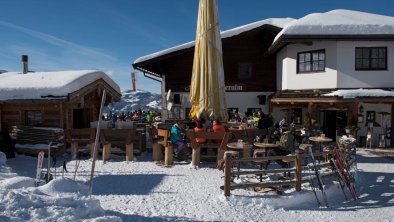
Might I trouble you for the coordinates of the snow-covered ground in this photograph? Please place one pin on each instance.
(144, 191)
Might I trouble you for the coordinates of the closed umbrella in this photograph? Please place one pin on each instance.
(207, 88)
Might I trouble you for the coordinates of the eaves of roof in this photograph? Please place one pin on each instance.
(290, 39)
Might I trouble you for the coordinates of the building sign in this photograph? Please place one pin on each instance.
(229, 88)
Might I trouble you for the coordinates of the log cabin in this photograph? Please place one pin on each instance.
(64, 99)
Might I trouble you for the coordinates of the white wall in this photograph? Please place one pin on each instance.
(348, 77)
(340, 67)
(287, 59)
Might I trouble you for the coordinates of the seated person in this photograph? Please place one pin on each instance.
(200, 128)
(176, 137)
(218, 127)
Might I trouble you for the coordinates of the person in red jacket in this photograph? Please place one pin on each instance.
(218, 127)
(200, 128)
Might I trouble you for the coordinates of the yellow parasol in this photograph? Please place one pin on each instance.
(207, 88)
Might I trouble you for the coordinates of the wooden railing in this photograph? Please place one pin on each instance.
(298, 170)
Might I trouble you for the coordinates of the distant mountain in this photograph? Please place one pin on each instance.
(131, 101)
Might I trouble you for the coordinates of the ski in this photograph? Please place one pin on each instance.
(340, 178)
(345, 172)
(48, 176)
(314, 188)
(319, 180)
(39, 167)
(76, 167)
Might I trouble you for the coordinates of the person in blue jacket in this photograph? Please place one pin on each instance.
(176, 138)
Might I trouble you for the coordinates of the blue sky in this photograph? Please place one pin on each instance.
(110, 34)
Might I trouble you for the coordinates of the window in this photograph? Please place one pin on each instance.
(245, 70)
(312, 61)
(33, 118)
(231, 112)
(296, 116)
(250, 111)
(371, 58)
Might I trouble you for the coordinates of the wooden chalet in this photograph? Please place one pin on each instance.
(69, 99)
(249, 74)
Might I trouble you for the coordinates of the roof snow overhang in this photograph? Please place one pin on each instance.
(284, 40)
(375, 95)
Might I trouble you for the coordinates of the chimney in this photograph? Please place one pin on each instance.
(25, 67)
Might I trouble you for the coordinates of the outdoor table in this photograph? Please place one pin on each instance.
(265, 147)
(320, 140)
(245, 147)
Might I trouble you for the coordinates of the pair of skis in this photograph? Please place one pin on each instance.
(345, 177)
(40, 160)
(320, 184)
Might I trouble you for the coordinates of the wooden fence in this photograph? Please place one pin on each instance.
(298, 171)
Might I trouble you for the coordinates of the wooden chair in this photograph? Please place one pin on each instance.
(287, 143)
(209, 136)
(164, 136)
(157, 153)
(77, 137)
(252, 133)
(122, 138)
(237, 134)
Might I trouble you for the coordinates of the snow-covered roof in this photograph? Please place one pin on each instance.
(278, 22)
(354, 93)
(41, 85)
(340, 22)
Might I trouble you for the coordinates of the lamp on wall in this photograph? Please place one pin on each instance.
(361, 109)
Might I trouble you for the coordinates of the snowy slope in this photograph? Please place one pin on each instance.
(132, 101)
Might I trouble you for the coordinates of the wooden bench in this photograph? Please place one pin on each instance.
(157, 153)
(78, 137)
(210, 138)
(164, 141)
(122, 138)
(32, 140)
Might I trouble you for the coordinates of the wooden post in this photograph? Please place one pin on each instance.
(220, 155)
(246, 153)
(227, 173)
(169, 151)
(91, 145)
(196, 156)
(298, 170)
(157, 153)
(106, 151)
(140, 142)
(74, 149)
(130, 152)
